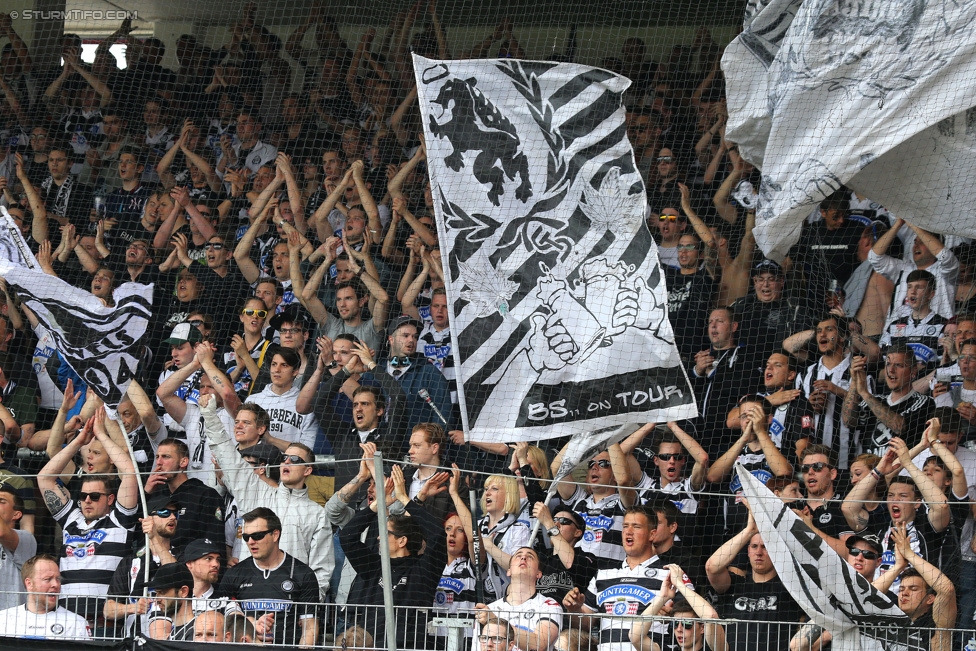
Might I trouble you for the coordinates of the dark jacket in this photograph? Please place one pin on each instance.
(414, 578)
(423, 375)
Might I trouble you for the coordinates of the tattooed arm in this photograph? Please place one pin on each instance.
(55, 496)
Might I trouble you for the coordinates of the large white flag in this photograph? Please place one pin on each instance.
(98, 342)
(557, 300)
(832, 594)
(876, 95)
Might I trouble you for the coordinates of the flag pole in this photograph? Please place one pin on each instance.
(114, 415)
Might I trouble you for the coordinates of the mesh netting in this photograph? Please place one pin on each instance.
(246, 249)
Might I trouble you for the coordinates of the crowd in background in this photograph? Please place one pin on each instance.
(299, 310)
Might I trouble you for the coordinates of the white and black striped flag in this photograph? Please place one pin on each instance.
(98, 342)
(557, 300)
(832, 594)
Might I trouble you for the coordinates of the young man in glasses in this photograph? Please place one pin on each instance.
(822, 508)
(566, 565)
(602, 503)
(671, 226)
(96, 528)
(271, 586)
(307, 535)
(876, 420)
(222, 278)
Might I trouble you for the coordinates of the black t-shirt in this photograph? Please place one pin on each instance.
(201, 513)
(690, 300)
(764, 326)
(289, 592)
(124, 204)
(874, 435)
(828, 254)
(829, 518)
(759, 602)
(556, 580)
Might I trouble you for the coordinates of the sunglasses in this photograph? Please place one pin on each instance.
(816, 467)
(258, 313)
(257, 536)
(603, 463)
(665, 159)
(868, 555)
(564, 521)
(165, 513)
(687, 623)
(293, 459)
(216, 246)
(674, 455)
(196, 323)
(687, 247)
(497, 639)
(94, 497)
(669, 218)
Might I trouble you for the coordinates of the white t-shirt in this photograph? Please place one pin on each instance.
(286, 423)
(527, 616)
(10, 564)
(60, 624)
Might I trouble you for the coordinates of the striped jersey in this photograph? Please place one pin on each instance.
(528, 615)
(436, 347)
(456, 593)
(621, 593)
(921, 336)
(830, 429)
(90, 551)
(604, 523)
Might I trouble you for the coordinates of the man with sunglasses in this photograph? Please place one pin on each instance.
(222, 279)
(96, 527)
(307, 535)
(670, 225)
(691, 294)
(129, 577)
(271, 586)
(823, 506)
(566, 565)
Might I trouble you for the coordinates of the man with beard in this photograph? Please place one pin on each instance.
(822, 509)
(171, 617)
(202, 557)
(129, 576)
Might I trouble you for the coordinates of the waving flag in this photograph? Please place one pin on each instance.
(98, 342)
(557, 300)
(878, 96)
(832, 594)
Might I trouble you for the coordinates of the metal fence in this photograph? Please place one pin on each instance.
(362, 628)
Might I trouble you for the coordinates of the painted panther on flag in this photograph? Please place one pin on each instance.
(557, 299)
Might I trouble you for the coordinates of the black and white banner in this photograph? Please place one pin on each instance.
(558, 304)
(832, 594)
(879, 96)
(98, 342)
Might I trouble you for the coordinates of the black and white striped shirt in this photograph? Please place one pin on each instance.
(604, 523)
(90, 551)
(456, 593)
(436, 347)
(830, 428)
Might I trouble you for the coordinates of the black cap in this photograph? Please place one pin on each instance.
(768, 267)
(171, 575)
(869, 538)
(196, 549)
(264, 452)
(572, 515)
(160, 501)
(294, 313)
(406, 319)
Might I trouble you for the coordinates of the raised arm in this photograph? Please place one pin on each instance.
(242, 252)
(944, 607)
(721, 199)
(56, 497)
(320, 218)
(128, 496)
(697, 453)
(723, 465)
(935, 500)
(718, 564)
(854, 506)
(146, 410)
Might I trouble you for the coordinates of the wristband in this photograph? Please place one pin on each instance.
(876, 474)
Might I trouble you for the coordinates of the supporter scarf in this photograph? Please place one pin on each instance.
(60, 206)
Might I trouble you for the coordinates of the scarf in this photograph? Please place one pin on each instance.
(60, 206)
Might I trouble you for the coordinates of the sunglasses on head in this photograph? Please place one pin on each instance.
(603, 463)
(258, 313)
(256, 536)
(677, 456)
(867, 554)
(165, 513)
(816, 467)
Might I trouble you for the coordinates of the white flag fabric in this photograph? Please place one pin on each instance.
(832, 594)
(877, 96)
(583, 446)
(98, 342)
(556, 298)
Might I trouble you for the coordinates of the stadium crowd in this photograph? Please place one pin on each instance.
(299, 309)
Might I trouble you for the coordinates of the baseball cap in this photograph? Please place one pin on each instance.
(768, 267)
(264, 452)
(156, 502)
(199, 548)
(291, 314)
(406, 319)
(183, 333)
(869, 538)
(171, 575)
